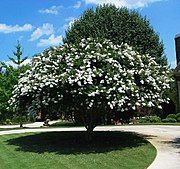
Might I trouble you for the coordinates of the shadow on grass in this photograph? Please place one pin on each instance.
(76, 143)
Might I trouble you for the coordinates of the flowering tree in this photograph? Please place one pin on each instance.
(92, 78)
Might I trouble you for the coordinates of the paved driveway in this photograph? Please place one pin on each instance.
(166, 139)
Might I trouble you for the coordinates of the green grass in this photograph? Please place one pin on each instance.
(66, 150)
(4, 129)
(173, 124)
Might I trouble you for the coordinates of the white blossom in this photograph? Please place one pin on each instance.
(93, 69)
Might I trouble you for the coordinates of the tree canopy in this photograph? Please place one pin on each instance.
(119, 25)
(8, 78)
(17, 58)
(92, 78)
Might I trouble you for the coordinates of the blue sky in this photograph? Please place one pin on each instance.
(38, 24)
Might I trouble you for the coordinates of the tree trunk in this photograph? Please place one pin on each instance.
(90, 128)
(21, 125)
(90, 120)
(20, 121)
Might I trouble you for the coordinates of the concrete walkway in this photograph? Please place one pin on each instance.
(166, 139)
(30, 125)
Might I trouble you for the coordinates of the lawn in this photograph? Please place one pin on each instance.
(66, 150)
(5, 129)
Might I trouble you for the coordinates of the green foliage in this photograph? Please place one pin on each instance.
(171, 93)
(178, 119)
(18, 60)
(8, 121)
(150, 119)
(17, 55)
(64, 124)
(144, 119)
(177, 115)
(7, 81)
(16, 119)
(31, 118)
(8, 78)
(119, 25)
(155, 119)
(169, 120)
(173, 116)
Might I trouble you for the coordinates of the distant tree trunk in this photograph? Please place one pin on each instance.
(21, 125)
(20, 122)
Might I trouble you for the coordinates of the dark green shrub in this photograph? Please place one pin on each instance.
(144, 119)
(154, 119)
(177, 115)
(64, 124)
(150, 119)
(24, 119)
(173, 116)
(8, 121)
(178, 119)
(165, 120)
(17, 119)
(31, 118)
(169, 120)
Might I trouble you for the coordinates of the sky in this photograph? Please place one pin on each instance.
(39, 24)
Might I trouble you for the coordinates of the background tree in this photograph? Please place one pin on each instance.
(8, 78)
(118, 25)
(17, 58)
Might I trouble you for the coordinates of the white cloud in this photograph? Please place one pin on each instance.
(52, 10)
(77, 5)
(20, 38)
(51, 41)
(45, 29)
(27, 61)
(70, 21)
(173, 63)
(124, 3)
(16, 28)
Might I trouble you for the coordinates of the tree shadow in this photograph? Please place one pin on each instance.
(75, 142)
(175, 143)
